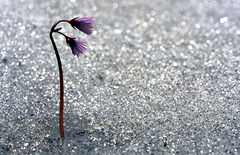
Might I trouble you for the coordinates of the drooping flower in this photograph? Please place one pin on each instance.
(77, 46)
(83, 24)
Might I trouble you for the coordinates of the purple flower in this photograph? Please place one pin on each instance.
(83, 24)
(77, 46)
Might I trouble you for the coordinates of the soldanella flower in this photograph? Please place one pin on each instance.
(83, 24)
(77, 46)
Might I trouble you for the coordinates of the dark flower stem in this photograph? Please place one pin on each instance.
(61, 79)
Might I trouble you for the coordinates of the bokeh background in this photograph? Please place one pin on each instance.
(161, 77)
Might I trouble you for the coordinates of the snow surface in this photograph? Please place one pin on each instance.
(161, 77)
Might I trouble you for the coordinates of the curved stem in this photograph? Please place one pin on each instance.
(64, 35)
(61, 79)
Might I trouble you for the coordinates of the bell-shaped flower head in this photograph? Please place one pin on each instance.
(77, 46)
(83, 24)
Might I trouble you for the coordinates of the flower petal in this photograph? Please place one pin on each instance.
(83, 24)
(77, 46)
